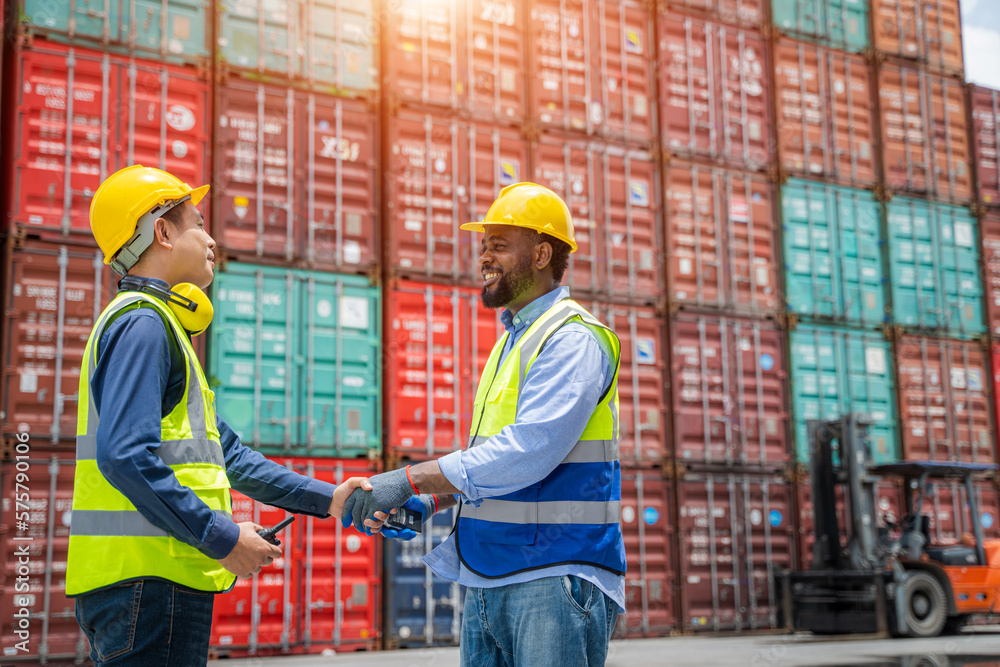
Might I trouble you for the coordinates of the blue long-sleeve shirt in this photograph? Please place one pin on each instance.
(139, 379)
(560, 393)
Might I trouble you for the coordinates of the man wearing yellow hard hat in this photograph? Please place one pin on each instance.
(537, 542)
(152, 537)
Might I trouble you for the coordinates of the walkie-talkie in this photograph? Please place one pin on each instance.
(269, 533)
(405, 518)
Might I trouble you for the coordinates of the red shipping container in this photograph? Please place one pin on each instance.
(82, 115)
(728, 381)
(928, 31)
(985, 106)
(714, 92)
(736, 531)
(989, 223)
(735, 12)
(825, 123)
(721, 240)
(925, 142)
(296, 177)
(54, 632)
(944, 401)
(947, 506)
(647, 512)
(441, 173)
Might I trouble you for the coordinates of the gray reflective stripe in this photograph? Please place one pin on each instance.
(171, 452)
(557, 511)
(478, 440)
(128, 523)
(530, 345)
(593, 451)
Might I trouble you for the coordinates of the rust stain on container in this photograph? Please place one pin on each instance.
(924, 134)
(985, 105)
(728, 381)
(928, 31)
(720, 236)
(944, 401)
(824, 107)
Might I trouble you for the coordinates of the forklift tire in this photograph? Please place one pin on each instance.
(925, 605)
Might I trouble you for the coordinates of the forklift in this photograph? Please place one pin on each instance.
(889, 579)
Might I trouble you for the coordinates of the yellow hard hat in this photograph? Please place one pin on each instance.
(128, 195)
(531, 206)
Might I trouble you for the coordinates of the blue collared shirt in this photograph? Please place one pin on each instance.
(139, 379)
(560, 393)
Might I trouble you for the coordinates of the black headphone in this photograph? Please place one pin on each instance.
(186, 301)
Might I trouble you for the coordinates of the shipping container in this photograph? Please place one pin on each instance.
(56, 293)
(990, 225)
(925, 144)
(720, 240)
(935, 270)
(296, 178)
(327, 45)
(294, 360)
(927, 31)
(728, 383)
(734, 12)
(826, 128)
(835, 371)
(714, 92)
(984, 105)
(54, 632)
(442, 172)
(421, 608)
(840, 24)
(647, 520)
(946, 504)
(833, 253)
(82, 115)
(736, 532)
(166, 31)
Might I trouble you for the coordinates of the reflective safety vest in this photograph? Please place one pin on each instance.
(571, 516)
(110, 541)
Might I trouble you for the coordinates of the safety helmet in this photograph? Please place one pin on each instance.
(126, 205)
(531, 206)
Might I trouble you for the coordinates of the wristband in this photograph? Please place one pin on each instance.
(435, 502)
(412, 485)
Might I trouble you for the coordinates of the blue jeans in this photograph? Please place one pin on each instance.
(549, 622)
(146, 623)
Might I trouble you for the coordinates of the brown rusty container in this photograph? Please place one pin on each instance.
(720, 239)
(990, 226)
(734, 12)
(985, 107)
(947, 506)
(944, 400)
(927, 31)
(925, 142)
(826, 127)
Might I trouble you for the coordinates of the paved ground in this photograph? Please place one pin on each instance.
(979, 648)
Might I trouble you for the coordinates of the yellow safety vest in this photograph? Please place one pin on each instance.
(110, 541)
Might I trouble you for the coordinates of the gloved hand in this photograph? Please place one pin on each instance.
(425, 505)
(389, 489)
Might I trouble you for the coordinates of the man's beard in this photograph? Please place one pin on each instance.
(512, 285)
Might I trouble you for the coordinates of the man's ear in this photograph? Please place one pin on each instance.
(163, 233)
(543, 255)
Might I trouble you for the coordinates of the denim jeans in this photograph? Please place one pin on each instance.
(550, 622)
(146, 623)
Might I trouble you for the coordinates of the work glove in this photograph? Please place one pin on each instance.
(425, 505)
(389, 489)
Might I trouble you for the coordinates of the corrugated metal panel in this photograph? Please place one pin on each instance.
(297, 177)
(720, 240)
(842, 24)
(728, 381)
(833, 253)
(836, 371)
(944, 401)
(650, 581)
(825, 123)
(736, 12)
(295, 358)
(54, 630)
(934, 260)
(56, 293)
(735, 533)
(985, 106)
(947, 506)
(714, 92)
(85, 114)
(924, 134)
(928, 31)
(175, 30)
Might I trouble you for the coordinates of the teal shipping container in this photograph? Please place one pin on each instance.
(841, 24)
(174, 30)
(837, 370)
(935, 268)
(329, 45)
(294, 359)
(833, 253)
